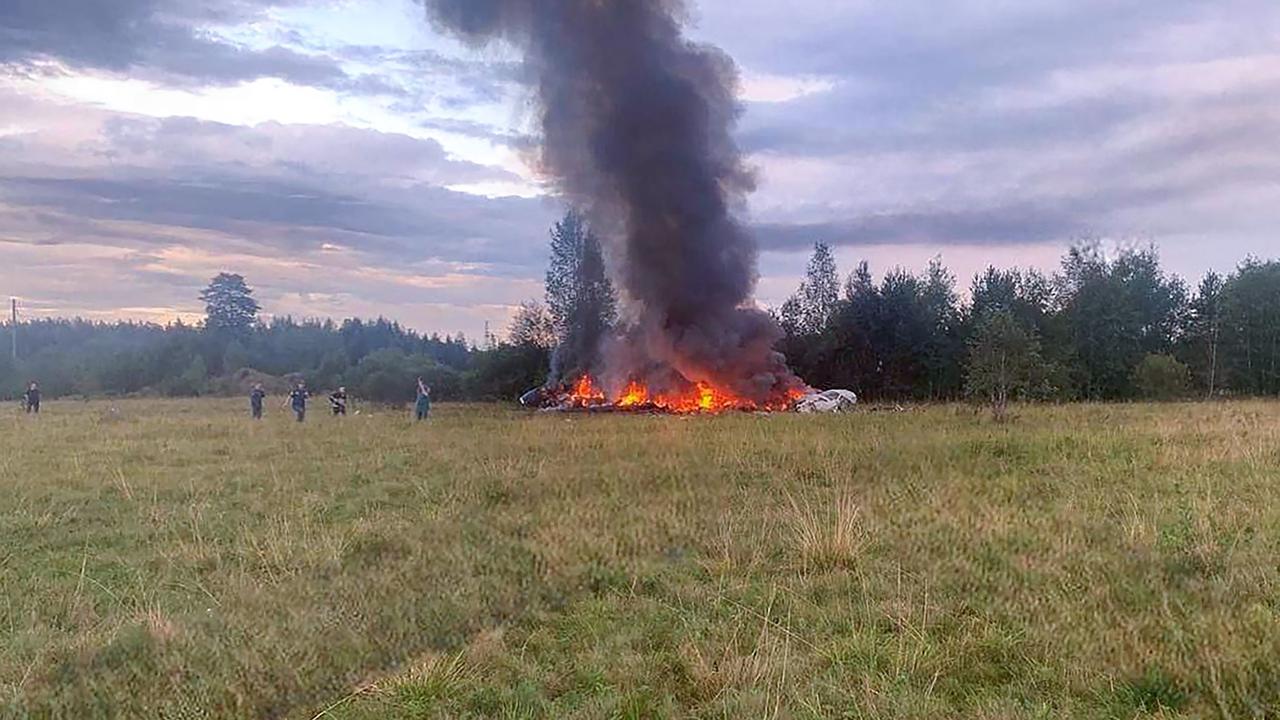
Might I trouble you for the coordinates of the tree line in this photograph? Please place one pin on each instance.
(232, 349)
(1099, 328)
(82, 358)
(377, 360)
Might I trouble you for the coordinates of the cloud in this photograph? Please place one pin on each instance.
(170, 41)
(153, 207)
(300, 151)
(288, 186)
(193, 45)
(281, 215)
(991, 125)
(480, 130)
(1009, 225)
(161, 284)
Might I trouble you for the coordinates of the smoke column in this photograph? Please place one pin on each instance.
(637, 129)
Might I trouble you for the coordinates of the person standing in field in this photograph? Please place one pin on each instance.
(298, 400)
(256, 396)
(422, 408)
(338, 402)
(31, 398)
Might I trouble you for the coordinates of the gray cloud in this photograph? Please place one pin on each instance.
(969, 124)
(1142, 187)
(920, 49)
(325, 220)
(164, 40)
(288, 189)
(289, 217)
(174, 42)
(480, 130)
(1010, 225)
(317, 152)
(923, 76)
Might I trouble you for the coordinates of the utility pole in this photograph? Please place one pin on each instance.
(13, 328)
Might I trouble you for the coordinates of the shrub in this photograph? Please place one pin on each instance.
(390, 376)
(1161, 377)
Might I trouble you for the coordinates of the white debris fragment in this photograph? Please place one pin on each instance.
(828, 401)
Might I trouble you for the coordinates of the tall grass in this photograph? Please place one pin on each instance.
(172, 559)
(827, 535)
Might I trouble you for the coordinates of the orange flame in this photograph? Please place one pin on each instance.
(585, 392)
(701, 397)
(635, 395)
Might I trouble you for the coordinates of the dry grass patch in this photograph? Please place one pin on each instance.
(827, 536)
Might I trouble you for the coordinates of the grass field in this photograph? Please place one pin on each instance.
(173, 560)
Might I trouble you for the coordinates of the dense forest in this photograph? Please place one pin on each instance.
(1100, 328)
(377, 359)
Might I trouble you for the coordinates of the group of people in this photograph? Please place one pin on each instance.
(297, 401)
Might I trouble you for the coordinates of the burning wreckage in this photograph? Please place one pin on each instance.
(636, 129)
(700, 398)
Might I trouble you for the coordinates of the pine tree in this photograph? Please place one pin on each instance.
(580, 297)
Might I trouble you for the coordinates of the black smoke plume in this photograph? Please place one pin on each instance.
(637, 129)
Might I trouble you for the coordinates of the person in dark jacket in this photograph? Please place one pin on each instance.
(338, 402)
(298, 401)
(422, 408)
(256, 396)
(31, 398)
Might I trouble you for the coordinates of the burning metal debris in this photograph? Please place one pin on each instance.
(696, 398)
(828, 401)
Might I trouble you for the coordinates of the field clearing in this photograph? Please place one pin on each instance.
(172, 559)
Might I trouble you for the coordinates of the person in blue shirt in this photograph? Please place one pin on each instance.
(298, 401)
(422, 408)
(256, 397)
(31, 398)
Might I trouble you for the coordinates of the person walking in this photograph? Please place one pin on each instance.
(338, 402)
(422, 408)
(256, 396)
(298, 401)
(31, 398)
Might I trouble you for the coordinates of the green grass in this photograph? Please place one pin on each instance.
(174, 560)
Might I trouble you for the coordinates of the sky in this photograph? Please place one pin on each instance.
(349, 160)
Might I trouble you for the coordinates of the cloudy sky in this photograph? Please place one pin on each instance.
(349, 161)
